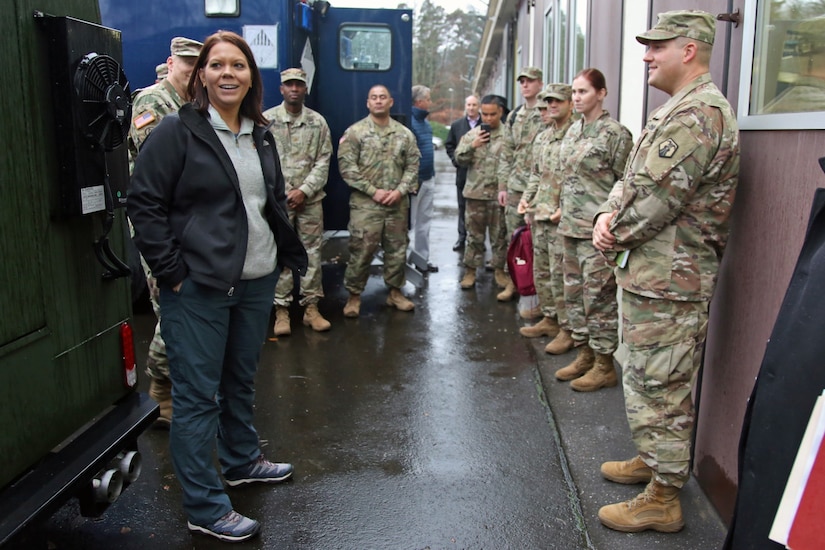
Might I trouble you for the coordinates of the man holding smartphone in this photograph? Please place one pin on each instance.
(479, 150)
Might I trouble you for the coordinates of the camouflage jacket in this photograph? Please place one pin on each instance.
(304, 148)
(592, 158)
(517, 151)
(373, 157)
(674, 202)
(542, 193)
(149, 106)
(483, 164)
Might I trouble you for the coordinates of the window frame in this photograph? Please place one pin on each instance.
(365, 26)
(561, 48)
(809, 120)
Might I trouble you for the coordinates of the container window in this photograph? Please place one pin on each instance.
(365, 47)
(222, 8)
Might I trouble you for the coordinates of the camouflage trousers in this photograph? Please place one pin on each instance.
(665, 340)
(512, 219)
(309, 224)
(370, 226)
(157, 364)
(548, 276)
(481, 217)
(590, 296)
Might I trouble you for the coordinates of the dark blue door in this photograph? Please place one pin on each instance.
(358, 49)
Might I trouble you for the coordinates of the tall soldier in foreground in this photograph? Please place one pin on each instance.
(666, 223)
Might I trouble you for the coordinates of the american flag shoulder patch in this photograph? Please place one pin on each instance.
(142, 120)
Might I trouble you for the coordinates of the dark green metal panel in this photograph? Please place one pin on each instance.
(21, 218)
(60, 352)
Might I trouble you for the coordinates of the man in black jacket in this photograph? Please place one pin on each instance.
(457, 129)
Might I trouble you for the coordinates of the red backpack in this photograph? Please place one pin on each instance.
(520, 260)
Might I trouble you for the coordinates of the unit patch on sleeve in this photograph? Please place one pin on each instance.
(667, 149)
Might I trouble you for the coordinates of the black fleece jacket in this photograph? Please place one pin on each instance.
(186, 205)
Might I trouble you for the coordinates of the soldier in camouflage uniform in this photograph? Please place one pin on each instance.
(480, 152)
(149, 106)
(522, 126)
(305, 148)
(668, 219)
(592, 156)
(378, 158)
(540, 204)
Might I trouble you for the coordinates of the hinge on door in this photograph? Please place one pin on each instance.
(734, 17)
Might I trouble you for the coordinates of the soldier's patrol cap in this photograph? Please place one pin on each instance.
(562, 92)
(533, 73)
(293, 74)
(185, 47)
(695, 24)
(162, 70)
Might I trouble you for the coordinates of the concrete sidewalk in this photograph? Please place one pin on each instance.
(592, 428)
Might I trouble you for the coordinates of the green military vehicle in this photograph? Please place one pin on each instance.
(70, 414)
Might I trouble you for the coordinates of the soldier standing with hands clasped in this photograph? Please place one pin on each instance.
(304, 146)
(668, 221)
(378, 158)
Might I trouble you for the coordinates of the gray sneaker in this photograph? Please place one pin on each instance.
(259, 471)
(231, 527)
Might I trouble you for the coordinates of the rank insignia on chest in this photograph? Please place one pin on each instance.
(667, 149)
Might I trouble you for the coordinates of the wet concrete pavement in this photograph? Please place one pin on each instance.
(441, 428)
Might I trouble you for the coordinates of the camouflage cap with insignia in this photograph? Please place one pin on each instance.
(185, 47)
(695, 24)
(162, 70)
(562, 92)
(293, 74)
(533, 73)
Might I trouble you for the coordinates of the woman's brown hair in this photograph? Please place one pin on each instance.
(594, 77)
(252, 104)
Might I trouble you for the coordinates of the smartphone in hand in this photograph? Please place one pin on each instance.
(485, 127)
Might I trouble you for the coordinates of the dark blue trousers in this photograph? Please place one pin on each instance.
(214, 343)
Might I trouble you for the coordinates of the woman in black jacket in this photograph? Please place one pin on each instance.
(208, 206)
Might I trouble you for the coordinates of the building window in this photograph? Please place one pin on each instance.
(365, 47)
(565, 24)
(783, 87)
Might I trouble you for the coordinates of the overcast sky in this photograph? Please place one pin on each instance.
(448, 5)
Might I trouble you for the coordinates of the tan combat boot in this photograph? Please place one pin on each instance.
(628, 472)
(314, 319)
(282, 327)
(546, 327)
(529, 314)
(397, 300)
(469, 279)
(160, 390)
(508, 293)
(657, 508)
(353, 306)
(580, 365)
(562, 343)
(602, 375)
(502, 279)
